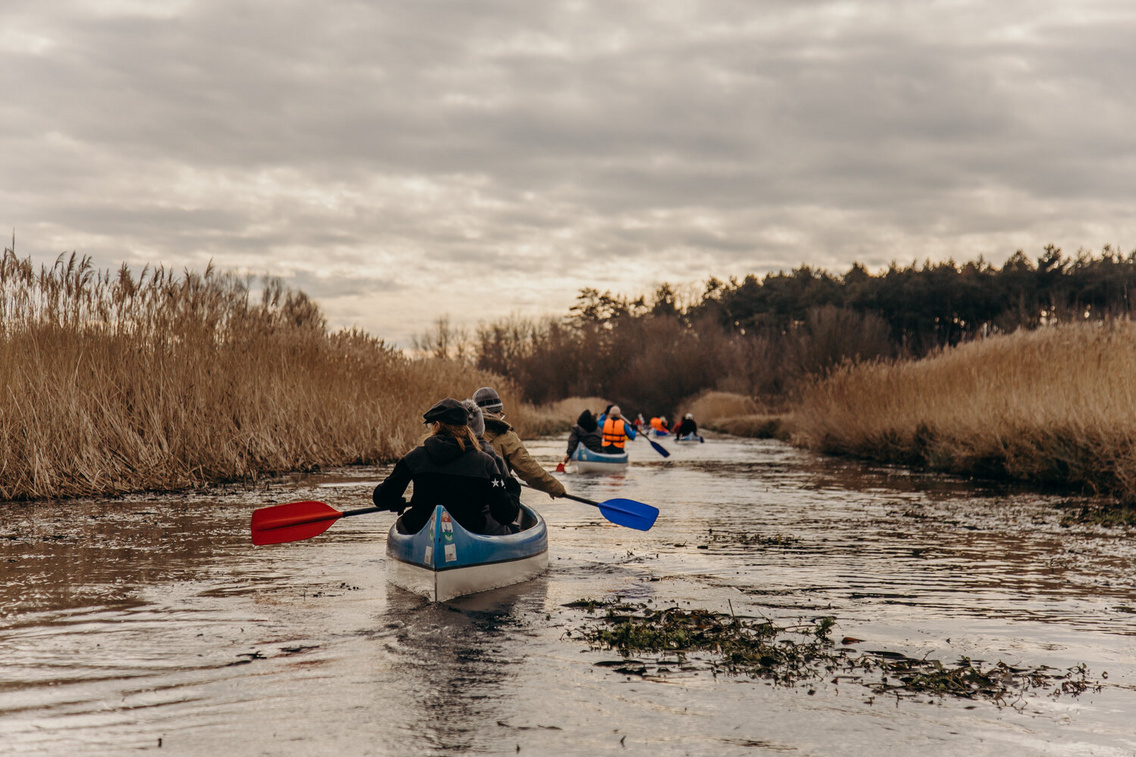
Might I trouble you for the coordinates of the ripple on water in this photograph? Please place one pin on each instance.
(150, 618)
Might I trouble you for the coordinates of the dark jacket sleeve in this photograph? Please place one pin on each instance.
(573, 440)
(503, 506)
(388, 494)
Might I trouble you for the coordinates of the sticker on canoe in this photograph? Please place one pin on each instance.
(429, 559)
(447, 528)
(451, 552)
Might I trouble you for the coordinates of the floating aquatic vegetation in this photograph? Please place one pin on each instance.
(753, 540)
(655, 642)
(1107, 515)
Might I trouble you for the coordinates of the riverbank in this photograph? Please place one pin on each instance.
(1050, 407)
(111, 383)
(738, 415)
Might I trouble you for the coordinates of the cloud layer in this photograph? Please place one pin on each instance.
(399, 161)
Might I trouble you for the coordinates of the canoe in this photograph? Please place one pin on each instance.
(444, 560)
(689, 438)
(656, 433)
(588, 461)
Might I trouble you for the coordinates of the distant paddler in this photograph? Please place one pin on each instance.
(687, 427)
(616, 432)
(585, 432)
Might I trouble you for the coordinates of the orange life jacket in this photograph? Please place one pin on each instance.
(613, 434)
(657, 424)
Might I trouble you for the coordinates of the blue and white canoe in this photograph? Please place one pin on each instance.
(444, 561)
(588, 461)
(689, 438)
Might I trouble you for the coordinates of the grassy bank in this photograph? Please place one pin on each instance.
(736, 414)
(559, 417)
(111, 383)
(1055, 406)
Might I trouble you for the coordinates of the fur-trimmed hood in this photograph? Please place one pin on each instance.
(497, 426)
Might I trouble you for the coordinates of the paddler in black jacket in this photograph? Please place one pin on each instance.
(449, 469)
(586, 432)
(688, 426)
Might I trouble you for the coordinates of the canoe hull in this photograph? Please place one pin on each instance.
(444, 585)
(689, 438)
(443, 561)
(588, 461)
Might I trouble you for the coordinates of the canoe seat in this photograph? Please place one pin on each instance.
(526, 521)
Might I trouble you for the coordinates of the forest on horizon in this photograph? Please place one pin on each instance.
(764, 336)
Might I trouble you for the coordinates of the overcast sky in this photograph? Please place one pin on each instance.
(399, 161)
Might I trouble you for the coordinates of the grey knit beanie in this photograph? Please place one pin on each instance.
(476, 419)
(488, 400)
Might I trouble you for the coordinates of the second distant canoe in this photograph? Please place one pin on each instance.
(588, 461)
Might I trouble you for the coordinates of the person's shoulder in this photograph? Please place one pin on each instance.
(488, 462)
(415, 457)
(509, 433)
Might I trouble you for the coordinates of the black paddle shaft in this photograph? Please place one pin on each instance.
(362, 511)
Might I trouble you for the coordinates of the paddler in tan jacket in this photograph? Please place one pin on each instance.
(508, 445)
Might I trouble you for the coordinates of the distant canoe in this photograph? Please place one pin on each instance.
(689, 438)
(588, 461)
(444, 560)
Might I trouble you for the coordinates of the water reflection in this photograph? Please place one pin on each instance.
(460, 662)
(75, 554)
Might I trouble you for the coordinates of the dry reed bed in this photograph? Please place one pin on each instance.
(735, 414)
(1051, 406)
(111, 383)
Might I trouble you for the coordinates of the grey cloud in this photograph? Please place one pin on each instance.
(405, 137)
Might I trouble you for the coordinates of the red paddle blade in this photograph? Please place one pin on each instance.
(560, 467)
(292, 522)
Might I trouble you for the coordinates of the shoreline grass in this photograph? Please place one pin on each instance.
(111, 383)
(737, 415)
(1054, 407)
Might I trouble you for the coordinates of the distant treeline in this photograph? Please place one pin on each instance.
(762, 336)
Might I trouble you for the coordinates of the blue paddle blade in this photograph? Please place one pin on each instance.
(660, 448)
(629, 513)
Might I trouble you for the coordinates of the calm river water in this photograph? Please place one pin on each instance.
(154, 624)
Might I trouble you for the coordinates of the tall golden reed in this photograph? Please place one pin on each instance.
(115, 383)
(1051, 406)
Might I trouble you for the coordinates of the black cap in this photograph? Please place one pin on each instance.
(448, 411)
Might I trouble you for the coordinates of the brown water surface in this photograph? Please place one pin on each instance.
(153, 622)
